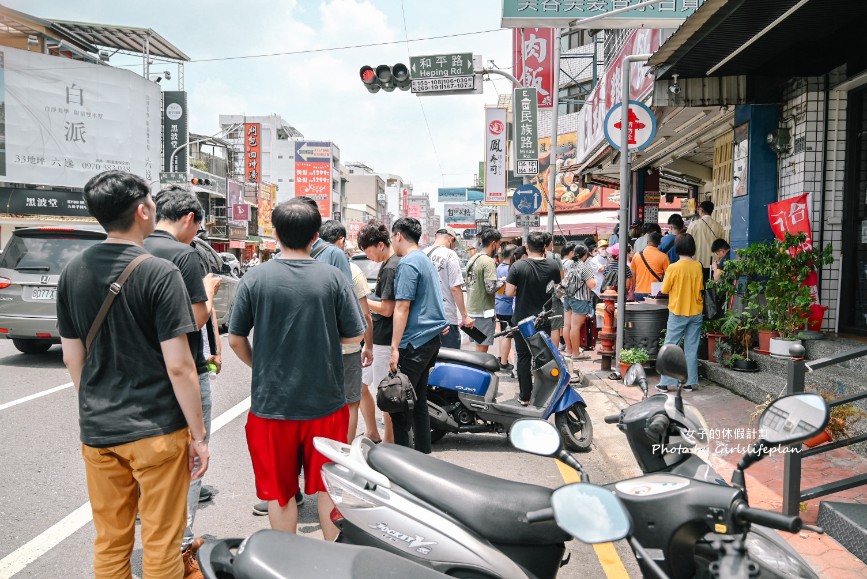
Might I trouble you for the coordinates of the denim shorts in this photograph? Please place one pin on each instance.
(576, 306)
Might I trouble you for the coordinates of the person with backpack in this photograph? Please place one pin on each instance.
(648, 266)
(482, 284)
(567, 253)
(578, 286)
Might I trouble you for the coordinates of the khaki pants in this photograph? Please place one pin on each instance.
(158, 467)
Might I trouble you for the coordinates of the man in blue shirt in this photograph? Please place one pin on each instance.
(666, 246)
(418, 319)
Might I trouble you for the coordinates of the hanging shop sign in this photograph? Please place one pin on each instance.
(533, 62)
(495, 156)
(313, 164)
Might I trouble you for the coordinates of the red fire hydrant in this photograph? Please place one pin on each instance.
(608, 335)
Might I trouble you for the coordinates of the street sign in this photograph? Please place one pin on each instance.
(527, 199)
(431, 75)
(524, 119)
(641, 126)
(173, 178)
(441, 65)
(527, 220)
(552, 14)
(451, 194)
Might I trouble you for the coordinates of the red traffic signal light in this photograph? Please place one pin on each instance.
(200, 182)
(368, 77)
(385, 77)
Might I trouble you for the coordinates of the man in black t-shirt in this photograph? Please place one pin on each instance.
(138, 392)
(527, 282)
(179, 215)
(375, 240)
(302, 311)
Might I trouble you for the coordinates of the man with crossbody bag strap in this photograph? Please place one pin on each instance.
(649, 265)
(705, 230)
(140, 411)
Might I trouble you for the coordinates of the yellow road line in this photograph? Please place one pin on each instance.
(608, 556)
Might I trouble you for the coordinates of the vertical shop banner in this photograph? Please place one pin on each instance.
(533, 61)
(175, 130)
(525, 123)
(252, 153)
(495, 156)
(413, 211)
(313, 173)
(459, 215)
(240, 209)
(267, 201)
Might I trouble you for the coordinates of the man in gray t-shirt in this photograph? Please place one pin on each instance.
(448, 267)
(302, 311)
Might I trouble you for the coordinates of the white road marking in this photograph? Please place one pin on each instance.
(18, 559)
(6, 405)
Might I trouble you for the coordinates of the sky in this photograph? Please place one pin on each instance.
(433, 141)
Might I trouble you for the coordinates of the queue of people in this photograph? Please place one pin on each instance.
(316, 351)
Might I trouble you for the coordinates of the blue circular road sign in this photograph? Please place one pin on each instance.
(527, 199)
(641, 126)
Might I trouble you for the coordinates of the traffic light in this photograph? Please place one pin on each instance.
(385, 77)
(200, 182)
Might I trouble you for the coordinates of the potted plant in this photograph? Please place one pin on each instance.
(723, 351)
(738, 327)
(766, 332)
(711, 328)
(842, 421)
(630, 356)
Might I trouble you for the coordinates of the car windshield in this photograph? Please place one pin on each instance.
(42, 254)
(370, 268)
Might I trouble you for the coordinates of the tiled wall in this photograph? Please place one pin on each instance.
(800, 170)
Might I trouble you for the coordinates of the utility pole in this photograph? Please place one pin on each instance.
(555, 114)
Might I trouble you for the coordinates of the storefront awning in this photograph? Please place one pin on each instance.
(767, 38)
(254, 239)
(597, 223)
(42, 202)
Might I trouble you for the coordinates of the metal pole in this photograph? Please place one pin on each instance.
(555, 113)
(624, 194)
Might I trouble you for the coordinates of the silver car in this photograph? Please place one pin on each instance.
(232, 261)
(30, 268)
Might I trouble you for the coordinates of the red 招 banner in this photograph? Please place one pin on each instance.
(791, 216)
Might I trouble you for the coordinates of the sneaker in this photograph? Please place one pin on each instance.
(662, 388)
(688, 387)
(260, 509)
(205, 494)
(513, 374)
(191, 565)
(506, 367)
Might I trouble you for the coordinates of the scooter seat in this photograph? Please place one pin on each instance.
(481, 359)
(271, 554)
(494, 508)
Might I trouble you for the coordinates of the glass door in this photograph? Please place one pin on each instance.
(853, 302)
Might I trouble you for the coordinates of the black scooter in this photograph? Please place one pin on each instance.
(692, 528)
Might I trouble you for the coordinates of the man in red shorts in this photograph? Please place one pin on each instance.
(302, 310)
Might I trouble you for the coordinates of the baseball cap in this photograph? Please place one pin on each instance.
(602, 243)
(614, 250)
(637, 222)
(449, 230)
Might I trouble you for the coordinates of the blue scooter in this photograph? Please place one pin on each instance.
(462, 391)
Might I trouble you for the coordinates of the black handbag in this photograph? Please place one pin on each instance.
(713, 306)
(395, 394)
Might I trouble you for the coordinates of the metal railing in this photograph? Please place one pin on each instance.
(793, 496)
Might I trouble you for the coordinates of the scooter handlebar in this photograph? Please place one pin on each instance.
(746, 513)
(612, 419)
(658, 426)
(540, 516)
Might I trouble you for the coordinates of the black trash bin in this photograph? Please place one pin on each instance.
(644, 325)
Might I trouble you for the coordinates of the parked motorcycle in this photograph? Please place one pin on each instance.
(691, 527)
(664, 433)
(271, 554)
(463, 388)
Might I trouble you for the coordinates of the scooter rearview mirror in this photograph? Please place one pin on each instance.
(793, 418)
(634, 374)
(670, 361)
(590, 513)
(536, 437)
(788, 420)
(550, 287)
